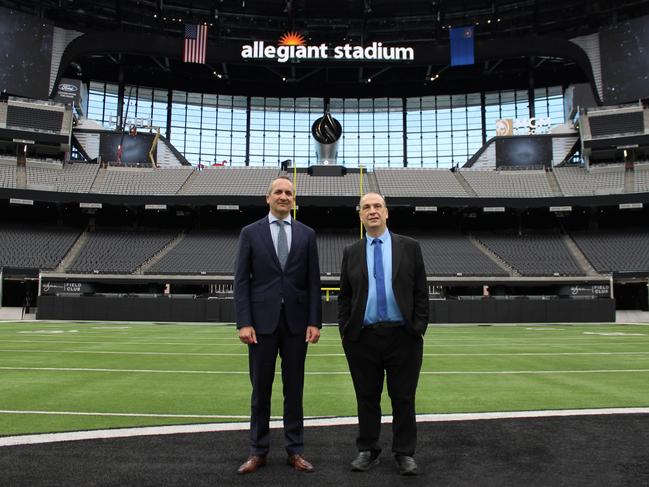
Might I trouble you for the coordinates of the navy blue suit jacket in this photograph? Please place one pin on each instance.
(260, 285)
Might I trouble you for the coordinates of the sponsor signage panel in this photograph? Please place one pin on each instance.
(90, 205)
(523, 126)
(20, 201)
(50, 288)
(590, 290)
(68, 91)
(630, 206)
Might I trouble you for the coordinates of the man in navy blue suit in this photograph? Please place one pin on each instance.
(278, 308)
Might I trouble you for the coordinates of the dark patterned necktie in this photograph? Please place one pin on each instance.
(282, 243)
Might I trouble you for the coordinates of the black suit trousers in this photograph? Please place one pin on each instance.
(262, 357)
(396, 354)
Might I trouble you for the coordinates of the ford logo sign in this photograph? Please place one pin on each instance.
(68, 88)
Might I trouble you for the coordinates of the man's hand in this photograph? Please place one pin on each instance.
(312, 334)
(247, 335)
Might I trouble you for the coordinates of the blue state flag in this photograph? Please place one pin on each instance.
(462, 46)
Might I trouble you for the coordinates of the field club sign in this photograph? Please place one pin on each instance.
(292, 46)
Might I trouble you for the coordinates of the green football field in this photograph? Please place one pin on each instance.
(79, 376)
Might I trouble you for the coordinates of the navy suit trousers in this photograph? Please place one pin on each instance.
(262, 357)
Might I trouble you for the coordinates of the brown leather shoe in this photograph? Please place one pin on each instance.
(251, 465)
(298, 462)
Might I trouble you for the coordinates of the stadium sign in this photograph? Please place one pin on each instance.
(140, 122)
(523, 126)
(585, 290)
(48, 287)
(68, 91)
(292, 47)
(20, 201)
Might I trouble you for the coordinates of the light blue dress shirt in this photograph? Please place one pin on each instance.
(274, 230)
(371, 309)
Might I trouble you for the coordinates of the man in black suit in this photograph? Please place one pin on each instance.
(278, 309)
(382, 316)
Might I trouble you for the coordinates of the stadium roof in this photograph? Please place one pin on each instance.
(515, 41)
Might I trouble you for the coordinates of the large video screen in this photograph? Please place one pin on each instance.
(26, 53)
(625, 63)
(524, 150)
(134, 148)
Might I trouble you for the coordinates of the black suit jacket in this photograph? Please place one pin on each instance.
(260, 285)
(408, 283)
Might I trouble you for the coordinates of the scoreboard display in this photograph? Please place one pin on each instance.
(135, 149)
(522, 150)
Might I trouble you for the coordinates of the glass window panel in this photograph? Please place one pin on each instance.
(439, 129)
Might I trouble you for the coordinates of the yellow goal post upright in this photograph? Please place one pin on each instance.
(294, 190)
(360, 195)
(154, 145)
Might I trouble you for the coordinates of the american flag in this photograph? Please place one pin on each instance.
(195, 45)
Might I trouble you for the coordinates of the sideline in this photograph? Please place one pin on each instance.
(315, 422)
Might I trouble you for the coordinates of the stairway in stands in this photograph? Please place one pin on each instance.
(629, 181)
(98, 183)
(464, 183)
(188, 182)
(578, 255)
(73, 252)
(554, 184)
(21, 175)
(495, 258)
(164, 251)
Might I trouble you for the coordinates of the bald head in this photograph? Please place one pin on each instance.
(371, 194)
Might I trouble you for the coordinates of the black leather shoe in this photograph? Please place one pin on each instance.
(365, 460)
(406, 465)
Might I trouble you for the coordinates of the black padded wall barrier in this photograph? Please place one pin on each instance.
(189, 309)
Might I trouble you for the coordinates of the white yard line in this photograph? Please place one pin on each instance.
(229, 372)
(315, 354)
(428, 344)
(128, 415)
(341, 421)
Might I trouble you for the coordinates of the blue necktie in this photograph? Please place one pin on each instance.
(379, 278)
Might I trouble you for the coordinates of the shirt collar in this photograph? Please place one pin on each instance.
(272, 218)
(384, 236)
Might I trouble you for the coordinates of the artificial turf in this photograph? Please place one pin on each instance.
(200, 371)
